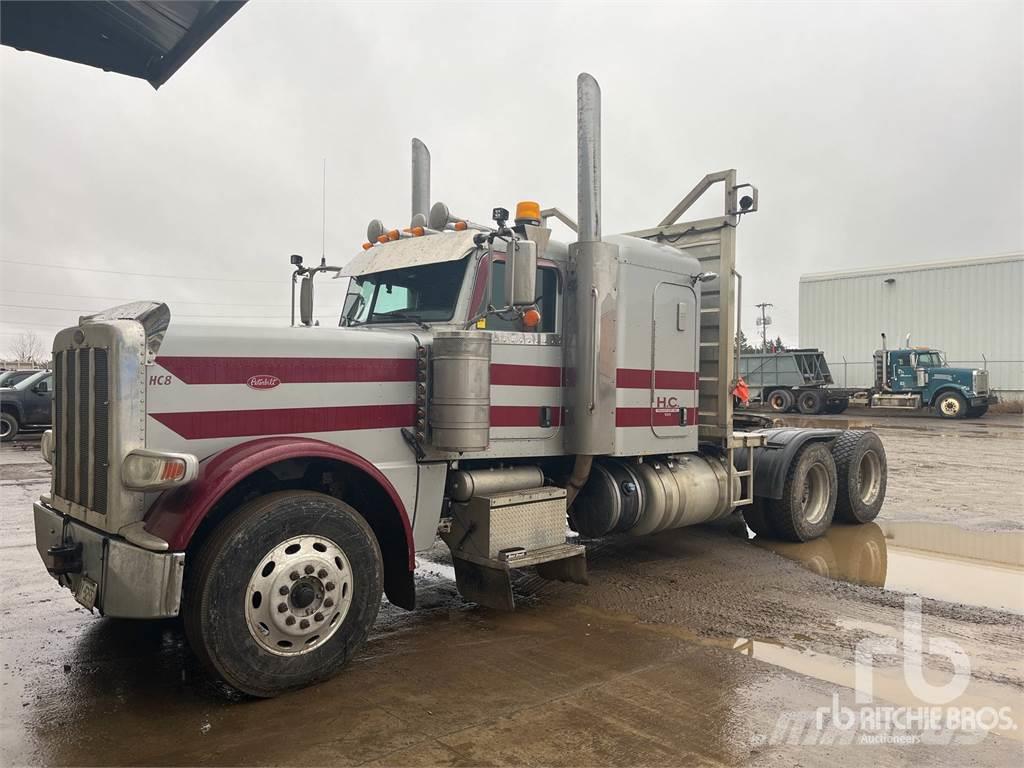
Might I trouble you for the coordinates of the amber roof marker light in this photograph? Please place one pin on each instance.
(528, 212)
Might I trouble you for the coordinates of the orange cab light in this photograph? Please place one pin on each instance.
(460, 226)
(528, 209)
(417, 231)
(394, 234)
(382, 239)
(531, 318)
(367, 246)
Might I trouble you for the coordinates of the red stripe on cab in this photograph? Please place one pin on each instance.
(523, 416)
(640, 378)
(505, 374)
(283, 421)
(290, 370)
(650, 417)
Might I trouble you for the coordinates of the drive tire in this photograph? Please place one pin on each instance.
(862, 473)
(231, 567)
(8, 426)
(808, 501)
(951, 405)
(780, 400)
(810, 402)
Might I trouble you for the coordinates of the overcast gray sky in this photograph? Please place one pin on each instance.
(878, 133)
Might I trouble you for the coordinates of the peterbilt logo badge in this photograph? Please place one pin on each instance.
(263, 382)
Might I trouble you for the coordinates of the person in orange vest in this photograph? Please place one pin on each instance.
(740, 393)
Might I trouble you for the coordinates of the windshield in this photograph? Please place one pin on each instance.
(929, 360)
(31, 381)
(10, 378)
(413, 294)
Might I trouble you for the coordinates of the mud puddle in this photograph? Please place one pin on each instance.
(977, 568)
(889, 683)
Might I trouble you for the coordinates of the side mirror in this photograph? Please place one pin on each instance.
(306, 300)
(521, 273)
(41, 388)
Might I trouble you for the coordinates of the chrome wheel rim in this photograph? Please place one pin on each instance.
(950, 406)
(5, 428)
(869, 470)
(298, 595)
(815, 497)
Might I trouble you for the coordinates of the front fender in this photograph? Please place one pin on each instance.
(177, 514)
(772, 460)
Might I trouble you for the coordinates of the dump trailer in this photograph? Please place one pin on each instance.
(796, 379)
(911, 378)
(485, 384)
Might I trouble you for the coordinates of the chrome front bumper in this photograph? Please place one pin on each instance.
(129, 582)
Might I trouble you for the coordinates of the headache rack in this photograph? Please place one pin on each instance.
(712, 242)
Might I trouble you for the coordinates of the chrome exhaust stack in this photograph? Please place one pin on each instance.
(588, 158)
(420, 181)
(591, 347)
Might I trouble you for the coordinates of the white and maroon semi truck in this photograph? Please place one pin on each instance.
(485, 384)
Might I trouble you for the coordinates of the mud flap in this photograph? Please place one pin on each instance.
(490, 587)
(572, 569)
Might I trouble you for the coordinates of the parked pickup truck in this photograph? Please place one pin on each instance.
(26, 404)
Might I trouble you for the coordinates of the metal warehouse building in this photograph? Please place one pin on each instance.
(972, 309)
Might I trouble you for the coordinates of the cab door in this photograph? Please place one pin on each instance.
(674, 359)
(526, 363)
(38, 400)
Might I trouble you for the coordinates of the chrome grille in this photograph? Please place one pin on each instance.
(82, 427)
(981, 382)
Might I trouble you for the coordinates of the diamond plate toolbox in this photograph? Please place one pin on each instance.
(532, 519)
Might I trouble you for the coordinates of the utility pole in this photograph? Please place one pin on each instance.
(764, 321)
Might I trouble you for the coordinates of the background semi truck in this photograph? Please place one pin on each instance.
(485, 384)
(909, 378)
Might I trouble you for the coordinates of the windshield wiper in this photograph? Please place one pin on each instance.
(406, 316)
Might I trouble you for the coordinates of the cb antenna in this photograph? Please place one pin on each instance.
(323, 219)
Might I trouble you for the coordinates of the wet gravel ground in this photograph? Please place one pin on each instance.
(686, 648)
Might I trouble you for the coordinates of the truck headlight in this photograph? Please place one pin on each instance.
(144, 470)
(46, 446)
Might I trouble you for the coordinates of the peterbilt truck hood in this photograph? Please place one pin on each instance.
(210, 387)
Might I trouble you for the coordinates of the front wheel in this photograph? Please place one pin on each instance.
(283, 592)
(8, 426)
(951, 405)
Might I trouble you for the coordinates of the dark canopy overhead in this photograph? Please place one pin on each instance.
(150, 39)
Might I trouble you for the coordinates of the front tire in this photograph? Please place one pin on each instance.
(8, 426)
(808, 500)
(951, 405)
(283, 592)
